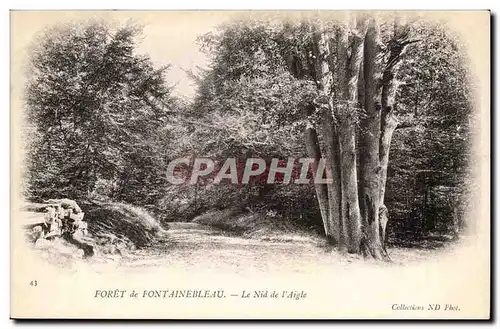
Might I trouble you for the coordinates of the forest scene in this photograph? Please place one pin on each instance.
(384, 105)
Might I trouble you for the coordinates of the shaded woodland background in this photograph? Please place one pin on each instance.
(102, 123)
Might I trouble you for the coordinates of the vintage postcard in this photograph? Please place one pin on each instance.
(250, 164)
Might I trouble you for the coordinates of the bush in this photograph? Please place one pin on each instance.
(124, 221)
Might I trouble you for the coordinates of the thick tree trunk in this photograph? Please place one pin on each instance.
(389, 124)
(350, 206)
(314, 152)
(389, 121)
(370, 145)
(324, 79)
(332, 157)
(347, 73)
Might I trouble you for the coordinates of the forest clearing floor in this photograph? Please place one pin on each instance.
(192, 246)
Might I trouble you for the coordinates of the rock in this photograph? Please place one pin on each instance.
(43, 244)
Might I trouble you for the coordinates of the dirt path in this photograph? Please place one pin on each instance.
(199, 247)
(196, 247)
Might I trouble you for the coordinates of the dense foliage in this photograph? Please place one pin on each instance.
(428, 164)
(97, 110)
(104, 123)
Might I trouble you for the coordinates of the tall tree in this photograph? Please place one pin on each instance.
(93, 102)
(346, 80)
(349, 56)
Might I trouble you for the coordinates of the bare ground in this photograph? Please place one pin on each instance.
(198, 247)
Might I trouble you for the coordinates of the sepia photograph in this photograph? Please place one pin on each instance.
(250, 165)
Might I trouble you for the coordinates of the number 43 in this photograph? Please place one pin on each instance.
(34, 283)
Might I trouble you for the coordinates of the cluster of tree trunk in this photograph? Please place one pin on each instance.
(355, 77)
